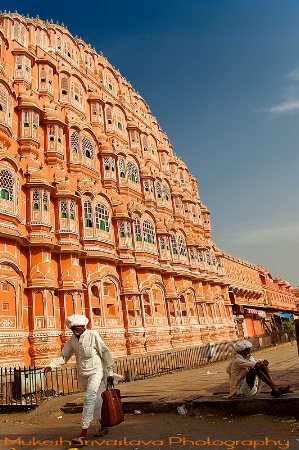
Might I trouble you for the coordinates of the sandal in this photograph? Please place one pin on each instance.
(101, 432)
(281, 390)
(79, 441)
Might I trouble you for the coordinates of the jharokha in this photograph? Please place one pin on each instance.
(98, 216)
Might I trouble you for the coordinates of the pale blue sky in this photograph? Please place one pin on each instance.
(222, 78)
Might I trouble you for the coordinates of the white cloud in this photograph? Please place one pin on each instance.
(288, 106)
(294, 75)
(290, 100)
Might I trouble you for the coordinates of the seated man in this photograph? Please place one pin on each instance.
(246, 373)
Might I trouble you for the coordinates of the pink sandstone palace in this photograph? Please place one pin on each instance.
(98, 216)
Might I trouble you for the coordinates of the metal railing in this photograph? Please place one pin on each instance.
(25, 388)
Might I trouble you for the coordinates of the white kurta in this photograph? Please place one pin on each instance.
(94, 365)
(237, 370)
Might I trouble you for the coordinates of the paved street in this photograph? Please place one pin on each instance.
(156, 431)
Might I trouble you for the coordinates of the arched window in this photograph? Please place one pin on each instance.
(137, 229)
(148, 232)
(182, 246)
(174, 245)
(166, 192)
(144, 144)
(72, 210)
(35, 200)
(88, 214)
(102, 217)
(6, 185)
(134, 138)
(59, 43)
(208, 256)
(67, 215)
(51, 133)
(162, 243)
(87, 148)
(22, 67)
(125, 229)
(75, 142)
(45, 200)
(63, 209)
(35, 118)
(200, 256)
(64, 84)
(122, 168)
(3, 105)
(158, 189)
(19, 32)
(133, 172)
(107, 163)
(121, 229)
(109, 116)
(76, 93)
(213, 257)
(128, 229)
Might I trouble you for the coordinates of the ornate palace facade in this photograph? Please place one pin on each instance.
(98, 216)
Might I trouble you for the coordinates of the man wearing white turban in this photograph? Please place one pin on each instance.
(247, 373)
(94, 365)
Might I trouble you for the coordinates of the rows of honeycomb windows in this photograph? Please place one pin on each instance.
(101, 213)
(99, 216)
(29, 129)
(65, 47)
(71, 90)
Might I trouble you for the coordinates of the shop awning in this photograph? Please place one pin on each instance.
(283, 315)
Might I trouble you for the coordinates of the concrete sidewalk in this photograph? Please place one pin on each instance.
(212, 378)
(207, 387)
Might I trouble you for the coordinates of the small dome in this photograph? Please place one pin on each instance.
(106, 148)
(65, 185)
(160, 227)
(40, 176)
(121, 209)
(145, 171)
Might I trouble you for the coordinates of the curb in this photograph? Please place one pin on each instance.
(287, 406)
